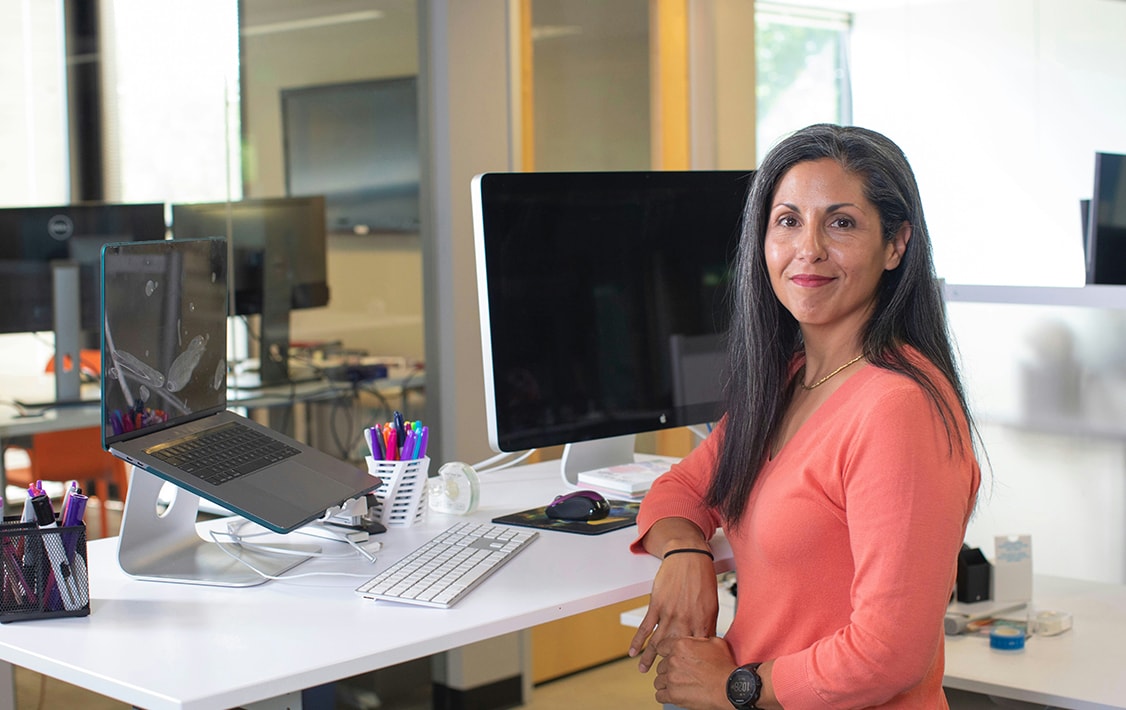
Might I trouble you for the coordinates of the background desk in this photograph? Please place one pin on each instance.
(1082, 668)
(159, 645)
(40, 388)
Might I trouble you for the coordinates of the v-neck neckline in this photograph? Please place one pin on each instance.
(825, 409)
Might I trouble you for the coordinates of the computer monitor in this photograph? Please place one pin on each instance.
(1106, 245)
(33, 237)
(49, 281)
(278, 262)
(604, 303)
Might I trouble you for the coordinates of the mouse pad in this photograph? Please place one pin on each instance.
(623, 513)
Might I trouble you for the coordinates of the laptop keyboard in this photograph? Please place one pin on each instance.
(224, 453)
(450, 564)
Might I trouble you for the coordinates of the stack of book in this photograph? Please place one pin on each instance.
(631, 480)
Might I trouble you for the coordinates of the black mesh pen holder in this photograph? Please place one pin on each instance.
(44, 571)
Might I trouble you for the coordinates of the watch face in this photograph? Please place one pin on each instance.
(743, 687)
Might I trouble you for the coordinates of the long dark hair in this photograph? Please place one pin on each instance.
(764, 337)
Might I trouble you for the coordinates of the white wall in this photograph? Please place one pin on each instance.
(1000, 105)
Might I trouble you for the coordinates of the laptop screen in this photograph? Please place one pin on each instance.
(164, 339)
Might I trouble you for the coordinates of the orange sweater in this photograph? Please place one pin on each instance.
(847, 555)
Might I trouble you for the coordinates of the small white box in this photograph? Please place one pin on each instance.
(1012, 568)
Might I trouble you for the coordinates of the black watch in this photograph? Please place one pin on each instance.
(744, 686)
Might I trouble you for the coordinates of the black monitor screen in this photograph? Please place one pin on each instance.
(1106, 250)
(32, 237)
(299, 224)
(604, 300)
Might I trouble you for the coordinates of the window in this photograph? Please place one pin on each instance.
(171, 97)
(801, 58)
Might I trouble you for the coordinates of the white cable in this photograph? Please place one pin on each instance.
(238, 539)
(507, 464)
(266, 575)
(491, 460)
(241, 541)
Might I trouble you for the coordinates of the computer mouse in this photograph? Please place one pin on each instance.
(578, 505)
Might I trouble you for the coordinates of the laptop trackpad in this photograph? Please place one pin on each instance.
(300, 485)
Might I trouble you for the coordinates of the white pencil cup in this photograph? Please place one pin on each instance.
(401, 495)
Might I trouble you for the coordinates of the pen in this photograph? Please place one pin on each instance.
(400, 427)
(422, 441)
(370, 439)
(392, 445)
(414, 437)
(73, 597)
(74, 507)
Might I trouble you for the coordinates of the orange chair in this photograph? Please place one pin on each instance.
(74, 455)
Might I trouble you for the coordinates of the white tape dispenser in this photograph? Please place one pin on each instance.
(455, 489)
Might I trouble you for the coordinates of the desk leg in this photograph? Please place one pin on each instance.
(7, 686)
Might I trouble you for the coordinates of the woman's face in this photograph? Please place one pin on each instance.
(824, 246)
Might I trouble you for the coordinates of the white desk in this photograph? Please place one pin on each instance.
(159, 645)
(1081, 668)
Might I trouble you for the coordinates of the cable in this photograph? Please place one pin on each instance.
(238, 539)
(264, 575)
(480, 465)
(506, 464)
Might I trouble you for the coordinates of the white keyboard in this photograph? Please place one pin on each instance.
(442, 571)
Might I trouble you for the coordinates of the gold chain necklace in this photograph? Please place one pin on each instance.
(828, 377)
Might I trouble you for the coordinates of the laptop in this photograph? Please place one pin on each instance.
(164, 391)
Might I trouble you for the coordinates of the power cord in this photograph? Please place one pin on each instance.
(235, 538)
(500, 463)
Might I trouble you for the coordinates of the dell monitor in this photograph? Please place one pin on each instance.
(278, 262)
(31, 238)
(49, 278)
(604, 303)
(1106, 242)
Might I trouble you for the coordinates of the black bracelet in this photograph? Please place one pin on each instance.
(689, 549)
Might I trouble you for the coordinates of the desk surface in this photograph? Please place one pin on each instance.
(1081, 668)
(158, 645)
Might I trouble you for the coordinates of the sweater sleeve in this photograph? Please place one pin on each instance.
(908, 491)
(680, 492)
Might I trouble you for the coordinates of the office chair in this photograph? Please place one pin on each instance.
(74, 455)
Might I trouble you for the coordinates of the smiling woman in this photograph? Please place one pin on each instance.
(845, 457)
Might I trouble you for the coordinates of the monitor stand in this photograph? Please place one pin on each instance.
(588, 455)
(164, 546)
(68, 328)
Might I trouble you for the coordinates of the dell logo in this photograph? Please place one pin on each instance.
(60, 227)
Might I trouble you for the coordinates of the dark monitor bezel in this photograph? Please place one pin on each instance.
(26, 296)
(1106, 243)
(504, 436)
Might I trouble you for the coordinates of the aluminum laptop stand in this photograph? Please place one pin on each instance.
(161, 543)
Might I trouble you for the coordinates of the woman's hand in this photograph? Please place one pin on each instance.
(684, 602)
(693, 673)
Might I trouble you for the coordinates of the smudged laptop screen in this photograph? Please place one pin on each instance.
(164, 335)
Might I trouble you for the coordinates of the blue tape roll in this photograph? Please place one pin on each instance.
(1006, 638)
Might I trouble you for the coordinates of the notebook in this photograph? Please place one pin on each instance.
(164, 370)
